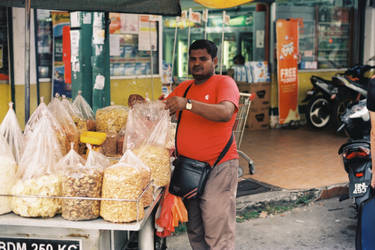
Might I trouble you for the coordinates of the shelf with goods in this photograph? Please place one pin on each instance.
(333, 36)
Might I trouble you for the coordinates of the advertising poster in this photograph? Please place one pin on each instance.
(59, 84)
(287, 74)
(147, 39)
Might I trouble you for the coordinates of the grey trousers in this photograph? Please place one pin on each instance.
(212, 217)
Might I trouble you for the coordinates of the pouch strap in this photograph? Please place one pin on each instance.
(227, 146)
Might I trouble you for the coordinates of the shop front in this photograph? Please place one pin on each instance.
(327, 44)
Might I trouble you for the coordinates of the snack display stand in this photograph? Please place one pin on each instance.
(56, 233)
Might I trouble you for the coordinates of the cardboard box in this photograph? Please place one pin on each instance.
(261, 90)
(258, 119)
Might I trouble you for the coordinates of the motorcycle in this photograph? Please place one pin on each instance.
(356, 152)
(328, 99)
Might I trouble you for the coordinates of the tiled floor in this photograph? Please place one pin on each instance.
(294, 158)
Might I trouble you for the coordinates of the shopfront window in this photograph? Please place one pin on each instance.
(325, 38)
(244, 35)
(44, 43)
(134, 45)
(4, 69)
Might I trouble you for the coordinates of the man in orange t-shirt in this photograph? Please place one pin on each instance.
(208, 115)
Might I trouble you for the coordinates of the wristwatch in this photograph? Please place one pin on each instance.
(189, 105)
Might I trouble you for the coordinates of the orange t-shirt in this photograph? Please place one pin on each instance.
(199, 138)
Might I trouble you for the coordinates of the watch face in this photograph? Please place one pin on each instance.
(188, 105)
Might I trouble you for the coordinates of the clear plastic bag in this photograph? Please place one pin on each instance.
(58, 110)
(42, 111)
(78, 180)
(146, 134)
(124, 180)
(83, 108)
(12, 133)
(148, 195)
(38, 173)
(8, 175)
(83, 116)
(112, 118)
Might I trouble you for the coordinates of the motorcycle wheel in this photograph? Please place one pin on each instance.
(318, 113)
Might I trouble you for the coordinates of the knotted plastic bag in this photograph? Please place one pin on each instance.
(124, 180)
(79, 180)
(7, 175)
(146, 134)
(83, 116)
(111, 119)
(11, 131)
(42, 111)
(130, 158)
(38, 173)
(66, 122)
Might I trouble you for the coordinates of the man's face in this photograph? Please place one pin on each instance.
(201, 64)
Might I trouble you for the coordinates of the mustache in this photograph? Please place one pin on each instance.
(197, 67)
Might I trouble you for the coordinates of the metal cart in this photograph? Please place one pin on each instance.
(239, 127)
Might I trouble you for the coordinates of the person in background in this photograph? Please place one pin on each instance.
(371, 109)
(208, 115)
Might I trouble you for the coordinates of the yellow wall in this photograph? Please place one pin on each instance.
(120, 90)
(4, 99)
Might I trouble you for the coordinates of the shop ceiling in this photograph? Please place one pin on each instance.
(156, 7)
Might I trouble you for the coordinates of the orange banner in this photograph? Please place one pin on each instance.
(287, 69)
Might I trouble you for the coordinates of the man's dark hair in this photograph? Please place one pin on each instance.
(205, 44)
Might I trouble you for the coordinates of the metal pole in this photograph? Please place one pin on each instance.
(205, 26)
(152, 63)
(222, 45)
(174, 52)
(27, 60)
(36, 55)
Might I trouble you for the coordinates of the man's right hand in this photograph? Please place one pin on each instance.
(175, 103)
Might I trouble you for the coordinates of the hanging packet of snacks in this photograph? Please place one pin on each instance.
(8, 175)
(79, 180)
(125, 180)
(130, 158)
(146, 134)
(58, 110)
(42, 111)
(83, 108)
(12, 133)
(38, 174)
(84, 116)
(111, 119)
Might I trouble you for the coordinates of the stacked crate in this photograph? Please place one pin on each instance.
(258, 117)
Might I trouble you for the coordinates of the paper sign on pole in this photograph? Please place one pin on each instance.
(205, 15)
(287, 69)
(194, 17)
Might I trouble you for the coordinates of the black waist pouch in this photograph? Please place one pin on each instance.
(189, 177)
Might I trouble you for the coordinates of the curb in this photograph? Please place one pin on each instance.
(287, 195)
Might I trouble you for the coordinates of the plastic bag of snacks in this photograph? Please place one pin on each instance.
(8, 175)
(148, 194)
(42, 111)
(80, 180)
(83, 115)
(146, 134)
(58, 110)
(12, 133)
(38, 174)
(112, 118)
(123, 181)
